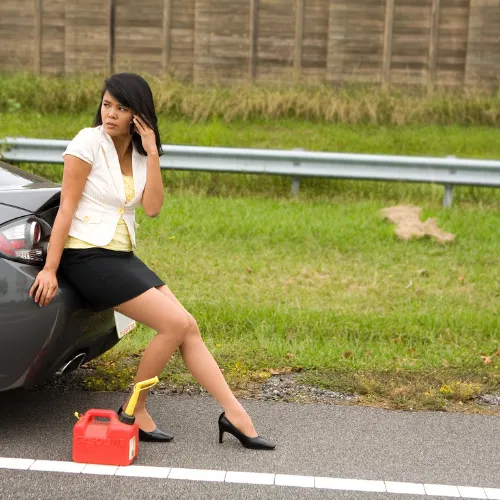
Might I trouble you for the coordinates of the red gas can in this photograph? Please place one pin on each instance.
(106, 442)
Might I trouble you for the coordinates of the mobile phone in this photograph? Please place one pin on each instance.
(131, 128)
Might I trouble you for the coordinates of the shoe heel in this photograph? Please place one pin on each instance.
(255, 443)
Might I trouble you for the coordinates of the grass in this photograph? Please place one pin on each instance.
(417, 140)
(319, 103)
(316, 285)
(326, 290)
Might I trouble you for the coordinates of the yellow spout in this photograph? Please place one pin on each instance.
(140, 386)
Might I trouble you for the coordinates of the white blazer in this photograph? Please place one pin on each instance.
(103, 199)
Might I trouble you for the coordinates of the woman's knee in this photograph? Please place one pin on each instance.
(177, 323)
(193, 330)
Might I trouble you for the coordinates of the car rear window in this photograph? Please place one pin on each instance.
(14, 178)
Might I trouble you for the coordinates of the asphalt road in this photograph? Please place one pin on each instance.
(313, 440)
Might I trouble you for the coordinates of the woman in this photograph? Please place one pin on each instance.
(109, 170)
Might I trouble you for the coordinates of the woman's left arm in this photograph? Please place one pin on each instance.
(152, 198)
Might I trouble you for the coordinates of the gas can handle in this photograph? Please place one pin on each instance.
(91, 414)
(140, 386)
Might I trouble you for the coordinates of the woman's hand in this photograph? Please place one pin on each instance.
(46, 287)
(153, 194)
(147, 135)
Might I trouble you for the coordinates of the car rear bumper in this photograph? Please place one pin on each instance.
(35, 342)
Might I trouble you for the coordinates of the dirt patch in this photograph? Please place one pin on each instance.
(409, 225)
(306, 277)
(287, 387)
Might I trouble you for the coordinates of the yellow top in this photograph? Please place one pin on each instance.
(121, 240)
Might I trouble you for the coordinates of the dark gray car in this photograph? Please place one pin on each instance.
(36, 342)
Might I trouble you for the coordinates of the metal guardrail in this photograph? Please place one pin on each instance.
(448, 171)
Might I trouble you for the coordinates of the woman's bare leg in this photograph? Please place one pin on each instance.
(205, 370)
(172, 323)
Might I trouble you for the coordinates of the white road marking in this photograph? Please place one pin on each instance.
(492, 493)
(443, 490)
(52, 466)
(469, 492)
(198, 475)
(335, 483)
(143, 471)
(408, 488)
(16, 463)
(298, 481)
(249, 478)
(103, 470)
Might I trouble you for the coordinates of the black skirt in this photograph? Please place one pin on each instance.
(106, 278)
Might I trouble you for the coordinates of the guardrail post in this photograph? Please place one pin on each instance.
(448, 189)
(295, 179)
(295, 186)
(448, 195)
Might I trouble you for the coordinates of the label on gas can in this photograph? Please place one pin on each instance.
(131, 449)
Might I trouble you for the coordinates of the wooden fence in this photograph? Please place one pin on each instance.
(442, 42)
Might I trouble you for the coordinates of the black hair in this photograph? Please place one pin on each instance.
(132, 91)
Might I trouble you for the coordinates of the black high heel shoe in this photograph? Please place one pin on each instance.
(152, 436)
(254, 443)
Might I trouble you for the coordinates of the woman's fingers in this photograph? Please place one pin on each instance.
(43, 297)
(49, 296)
(33, 287)
(41, 293)
(138, 127)
(38, 293)
(147, 134)
(44, 288)
(139, 120)
(45, 293)
(141, 123)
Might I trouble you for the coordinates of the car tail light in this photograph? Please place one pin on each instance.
(22, 240)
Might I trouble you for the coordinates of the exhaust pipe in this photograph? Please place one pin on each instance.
(71, 365)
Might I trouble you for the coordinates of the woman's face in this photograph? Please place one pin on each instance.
(115, 117)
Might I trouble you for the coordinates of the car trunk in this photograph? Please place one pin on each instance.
(24, 193)
(35, 342)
